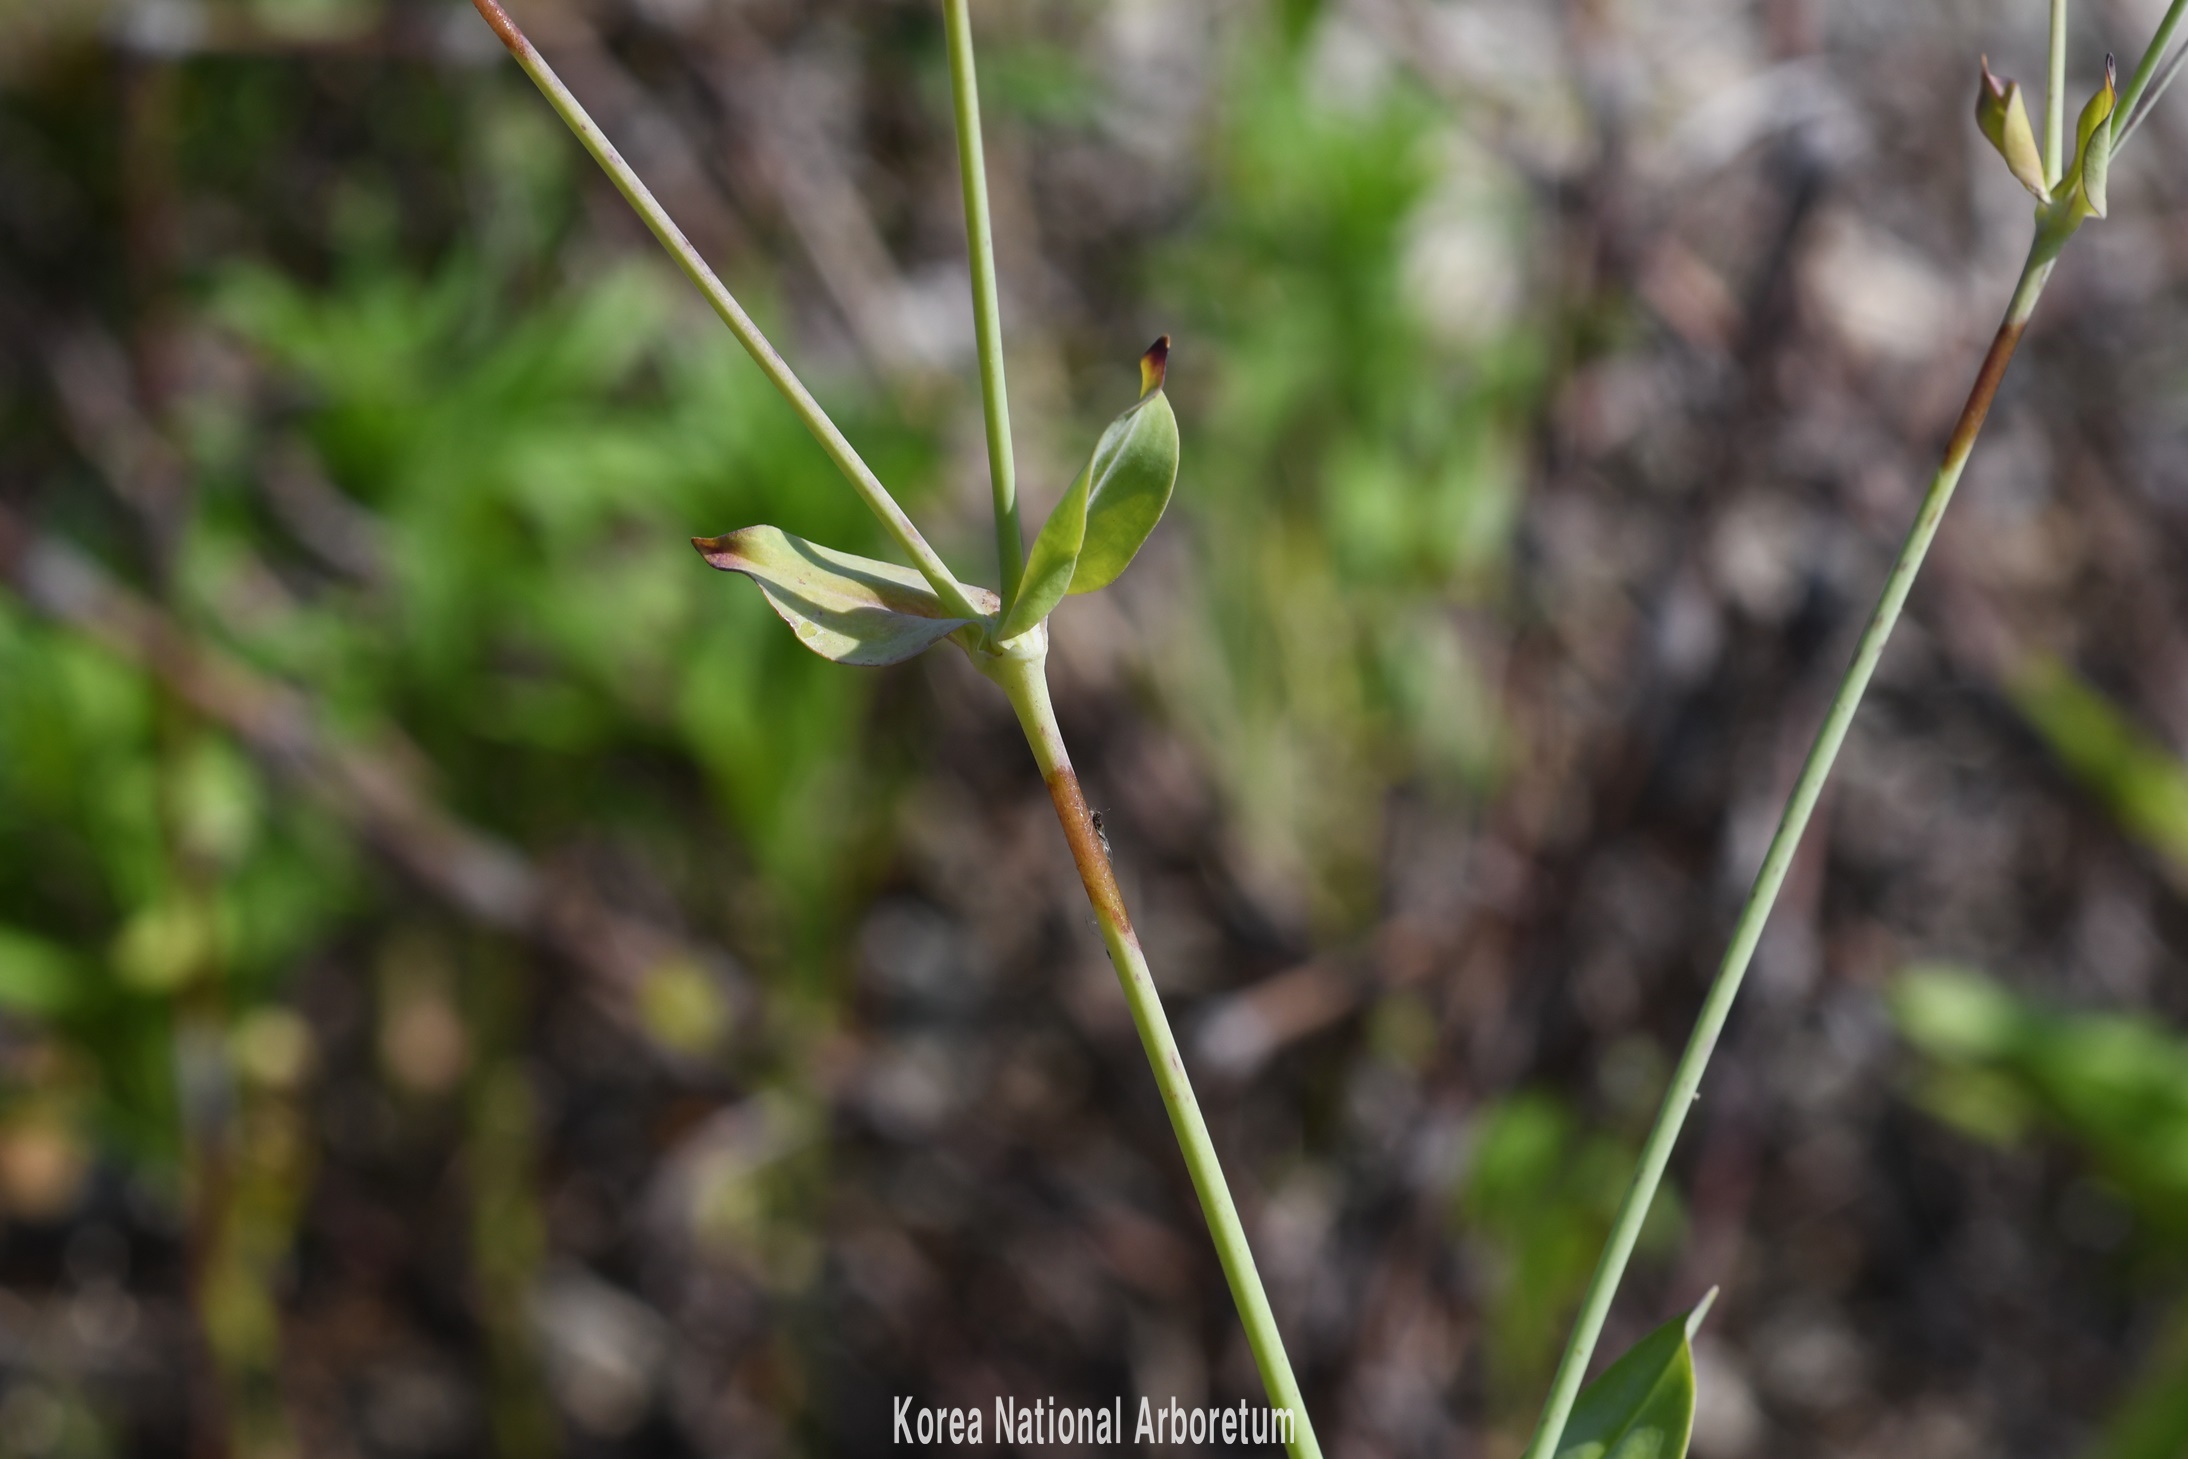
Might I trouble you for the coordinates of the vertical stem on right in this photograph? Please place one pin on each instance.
(987, 317)
(2160, 43)
(1686, 1079)
(2055, 99)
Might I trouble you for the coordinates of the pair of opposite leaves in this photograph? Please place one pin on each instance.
(2003, 118)
(856, 610)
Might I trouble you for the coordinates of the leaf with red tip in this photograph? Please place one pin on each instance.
(1110, 509)
(851, 609)
(1132, 486)
(1154, 365)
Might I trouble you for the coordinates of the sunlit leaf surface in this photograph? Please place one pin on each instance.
(1099, 525)
(1050, 564)
(1640, 1407)
(1132, 482)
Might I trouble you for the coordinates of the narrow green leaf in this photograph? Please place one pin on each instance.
(1132, 484)
(1055, 554)
(2093, 142)
(2099, 108)
(1642, 1406)
(2003, 118)
(851, 609)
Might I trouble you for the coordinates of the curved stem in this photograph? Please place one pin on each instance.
(1010, 547)
(1024, 679)
(1686, 1078)
(847, 459)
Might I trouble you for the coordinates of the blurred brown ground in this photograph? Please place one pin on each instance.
(1762, 247)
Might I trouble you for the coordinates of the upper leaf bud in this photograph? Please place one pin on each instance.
(2003, 118)
(1154, 365)
(2093, 143)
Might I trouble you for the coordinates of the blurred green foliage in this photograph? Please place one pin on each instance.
(1355, 461)
(436, 459)
(542, 630)
(516, 452)
(2002, 1069)
(2005, 1070)
(135, 854)
(1539, 1195)
(532, 617)
(2140, 781)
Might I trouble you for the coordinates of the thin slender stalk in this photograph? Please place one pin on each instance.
(2055, 99)
(2140, 81)
(1023, 677)
(2150, 97)
(847, 459)
(972, 167)
(1686, 1079)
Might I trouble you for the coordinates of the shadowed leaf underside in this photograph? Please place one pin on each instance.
(844, 607)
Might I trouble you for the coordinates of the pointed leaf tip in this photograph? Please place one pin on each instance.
(851, 609)
(1154, 365)
(1640, 1407)
(2093, 143)
(1110, 509)
(2003, 119)
(2099, 108)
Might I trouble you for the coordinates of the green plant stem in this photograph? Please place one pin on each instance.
(1686, 1078)
(2055, 99)
(847, 459)
(1023, 677)
(2150, 98)
(972, 167)
(2144, 69)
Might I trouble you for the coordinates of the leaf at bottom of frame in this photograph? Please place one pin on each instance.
(1642, 1406)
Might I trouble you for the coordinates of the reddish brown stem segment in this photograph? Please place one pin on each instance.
(1022, 675)
(1980, 395)
(1086, 849)
(504, 27)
